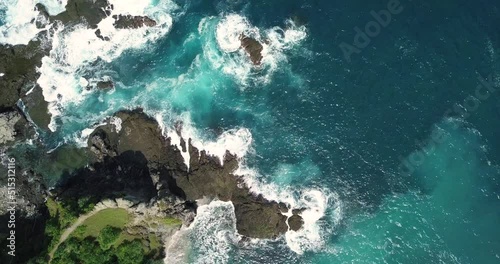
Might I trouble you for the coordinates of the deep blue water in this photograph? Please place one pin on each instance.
(343, 127)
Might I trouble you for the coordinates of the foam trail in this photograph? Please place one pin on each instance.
(20, 16)
(210, 235)
(60, 75)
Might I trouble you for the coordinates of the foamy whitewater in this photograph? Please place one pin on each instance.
(78, 47)
(17, 25)
(350, 143)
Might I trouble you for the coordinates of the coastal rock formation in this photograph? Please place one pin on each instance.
(104, 85)
(253, 48)
(7, 122)
(18, 66)
(13, 126)
(160, 164)
(128, 21)
(90, 11)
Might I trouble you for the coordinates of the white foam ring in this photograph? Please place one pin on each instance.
(76, 47)
(20, 16)
(235, 62)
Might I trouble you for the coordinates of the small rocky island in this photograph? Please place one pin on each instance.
(253, 48)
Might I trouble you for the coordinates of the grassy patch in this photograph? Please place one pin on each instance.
(171, 221)
(114, 217)
(154, 242)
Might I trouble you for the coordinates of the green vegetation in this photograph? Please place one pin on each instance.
(172, 221)
(60, 218)
(105, 237)
(80, 231)
(85, 251)
(100, 251)
(130, 252)
(113, 217)
(108, 236)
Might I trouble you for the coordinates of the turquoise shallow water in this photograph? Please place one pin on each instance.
(318, 121)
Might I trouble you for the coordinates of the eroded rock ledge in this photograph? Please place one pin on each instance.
(140, 161)
(128, 21)
(253, 48)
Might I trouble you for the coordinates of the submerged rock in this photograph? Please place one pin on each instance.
(253, 48)
(128, 21)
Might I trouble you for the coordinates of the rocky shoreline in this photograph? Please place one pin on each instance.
(136, 163)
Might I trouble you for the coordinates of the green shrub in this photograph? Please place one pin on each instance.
(130, 252)
(108, 236)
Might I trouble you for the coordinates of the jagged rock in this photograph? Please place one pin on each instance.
(99, 146)
(18, 66)
(104, 85)
(206, 177)
(43, 17)
(91, 11)
(37, 108)
(128, 21)
(100, 36)
(7, 122)
(295, 222)
(253, 48)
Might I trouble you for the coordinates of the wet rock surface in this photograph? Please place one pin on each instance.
(89, 11)
(105, 85)
(128, 21)
(206, 177)
(253, 48)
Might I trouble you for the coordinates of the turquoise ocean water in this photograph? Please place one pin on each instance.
(346, 128)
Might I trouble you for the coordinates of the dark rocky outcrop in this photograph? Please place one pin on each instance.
(205, 178)
(295, 221)
(100, 36)
(253, 48)
(128, 21)
(18, 66)
(31, 215)
(91, 11)
(104, 85)
(119, 176)
(19, 62)
(37, 107)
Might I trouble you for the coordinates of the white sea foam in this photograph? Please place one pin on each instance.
(76, 47)
(235, 62)
(117, 122)
(210, 235)
(237, 141)
(2, 74)
(315, 201)
(19, 26)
